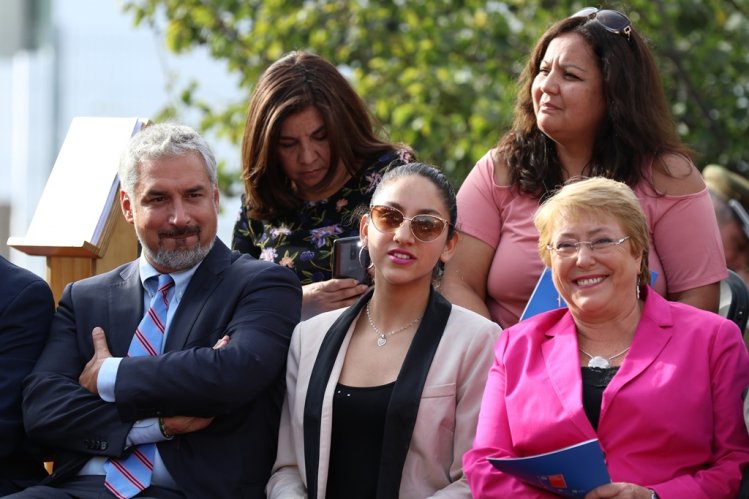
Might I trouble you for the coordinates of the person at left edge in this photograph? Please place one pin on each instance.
(26, 308)
(211, 399)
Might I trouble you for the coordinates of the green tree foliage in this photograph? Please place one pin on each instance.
(441, 75)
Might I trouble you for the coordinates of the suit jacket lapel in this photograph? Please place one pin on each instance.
(653, 334)
(202, 284)
(563, 370)
(403, 408)
(400, 418)
(126, 309)
(319, 378)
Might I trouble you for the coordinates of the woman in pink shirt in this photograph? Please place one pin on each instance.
(590, 104)
(658, 383)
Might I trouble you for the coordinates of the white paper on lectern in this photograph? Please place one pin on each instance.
(74, 205)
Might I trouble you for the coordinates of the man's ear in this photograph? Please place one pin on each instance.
(127, 206)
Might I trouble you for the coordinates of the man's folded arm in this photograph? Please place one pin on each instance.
(203, 381)
(56, 409)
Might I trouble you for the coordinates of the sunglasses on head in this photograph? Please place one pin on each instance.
(613, 21)
(425, 228)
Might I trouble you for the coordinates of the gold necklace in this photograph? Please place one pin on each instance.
(601, 362)
(381, 336)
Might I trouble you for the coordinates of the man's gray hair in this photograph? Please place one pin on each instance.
(160, 141)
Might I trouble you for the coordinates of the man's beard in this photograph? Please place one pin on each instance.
(179, 259)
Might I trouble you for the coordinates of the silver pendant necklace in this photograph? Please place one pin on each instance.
(381, 336)
(601, 362)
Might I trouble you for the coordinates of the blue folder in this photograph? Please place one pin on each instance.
(569, 472)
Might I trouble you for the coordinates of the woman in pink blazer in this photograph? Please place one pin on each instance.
(658, 383)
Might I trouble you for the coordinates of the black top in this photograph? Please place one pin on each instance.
(595, 381)
(356, 440)
(400, 417)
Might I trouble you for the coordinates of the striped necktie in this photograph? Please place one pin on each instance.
(127, 477)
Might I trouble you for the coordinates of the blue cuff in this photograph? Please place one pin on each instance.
(144, 431)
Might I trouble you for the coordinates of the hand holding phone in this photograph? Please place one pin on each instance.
(346, 262)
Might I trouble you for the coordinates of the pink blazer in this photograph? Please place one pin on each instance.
(671, 418)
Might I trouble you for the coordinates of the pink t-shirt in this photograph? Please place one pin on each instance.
(685, 246)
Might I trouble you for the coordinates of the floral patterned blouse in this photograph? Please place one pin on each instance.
(303, 241)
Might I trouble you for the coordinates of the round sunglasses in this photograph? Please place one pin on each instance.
(425, 228)
(613, 21)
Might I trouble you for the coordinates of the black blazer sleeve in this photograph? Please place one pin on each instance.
(57, 411)
(26, 308)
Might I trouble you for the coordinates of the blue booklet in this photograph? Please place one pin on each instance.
(545, 296)
(570, 472)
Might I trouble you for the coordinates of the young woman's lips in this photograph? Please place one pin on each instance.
(401, 257)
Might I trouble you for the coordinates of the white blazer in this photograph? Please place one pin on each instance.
(445, 422)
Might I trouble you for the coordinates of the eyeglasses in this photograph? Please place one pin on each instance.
(425, 228)
(567, 249)
(612, 20)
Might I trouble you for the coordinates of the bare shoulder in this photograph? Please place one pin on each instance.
(501, 170)
(676, 175)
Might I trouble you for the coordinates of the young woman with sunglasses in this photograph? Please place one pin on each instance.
(383, 397)
(590, 104)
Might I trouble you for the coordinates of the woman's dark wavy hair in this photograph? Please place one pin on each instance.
(637, 127)
(293, 83)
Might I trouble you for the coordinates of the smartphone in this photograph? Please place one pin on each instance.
(346, 259)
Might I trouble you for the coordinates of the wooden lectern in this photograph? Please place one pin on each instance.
(78, 224)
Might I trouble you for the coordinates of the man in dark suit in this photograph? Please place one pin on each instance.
(26, 308)
(210, 396)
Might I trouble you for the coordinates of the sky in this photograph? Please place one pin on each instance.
(96, 63)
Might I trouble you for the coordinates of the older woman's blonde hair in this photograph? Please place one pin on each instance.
(599, 197)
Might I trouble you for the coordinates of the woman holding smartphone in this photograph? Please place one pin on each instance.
(310, 157)
(382, 398)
